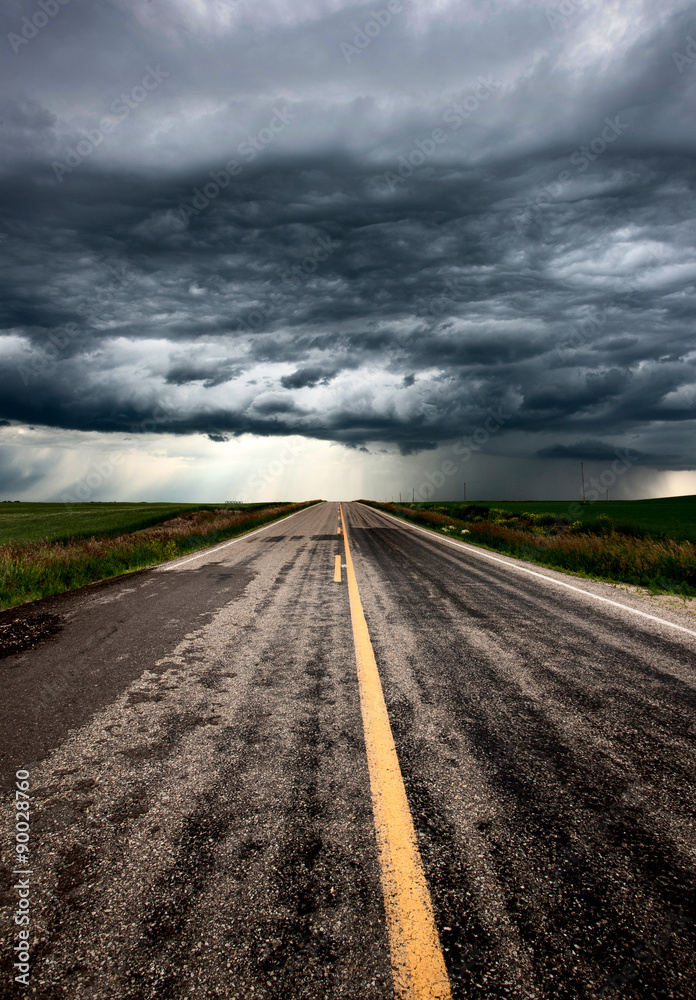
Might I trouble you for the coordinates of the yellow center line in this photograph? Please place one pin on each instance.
(337, 570)
(418, 966)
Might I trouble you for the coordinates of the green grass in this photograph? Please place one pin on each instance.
(38, 567)
(598, 548)
(32, 522)
(673, 517)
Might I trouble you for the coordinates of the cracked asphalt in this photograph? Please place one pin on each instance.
(201, 821)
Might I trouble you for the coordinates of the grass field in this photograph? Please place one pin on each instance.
(32, 522)
(647, 543)
(50, 552)
(675, 517)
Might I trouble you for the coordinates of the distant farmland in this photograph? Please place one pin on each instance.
(32, 522)
(46, 549)
(674, 517)
(647, 543)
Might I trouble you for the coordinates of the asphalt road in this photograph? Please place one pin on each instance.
(202, 822)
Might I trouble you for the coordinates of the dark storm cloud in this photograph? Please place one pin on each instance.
(270, 242)
(209, 373)
(307, 377)
(596, 451)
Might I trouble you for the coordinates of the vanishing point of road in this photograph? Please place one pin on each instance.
(342, 757)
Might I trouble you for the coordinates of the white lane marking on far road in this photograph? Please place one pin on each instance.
(223, 545)
(523, 569)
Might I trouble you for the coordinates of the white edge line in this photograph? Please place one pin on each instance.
(164, 568)
(524, 569)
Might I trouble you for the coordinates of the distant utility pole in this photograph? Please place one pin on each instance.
(582, 475)
(399, 498)
(414, 494)
(465, 491)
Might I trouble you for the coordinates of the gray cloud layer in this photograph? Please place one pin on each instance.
(217, 220)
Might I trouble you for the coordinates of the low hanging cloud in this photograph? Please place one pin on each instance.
(484, 208)
(307, 377)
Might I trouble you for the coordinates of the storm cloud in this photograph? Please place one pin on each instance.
(274, 219)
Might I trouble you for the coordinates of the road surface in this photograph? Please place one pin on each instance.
(203, 822)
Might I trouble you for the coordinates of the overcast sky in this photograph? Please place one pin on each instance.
(294, 249)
